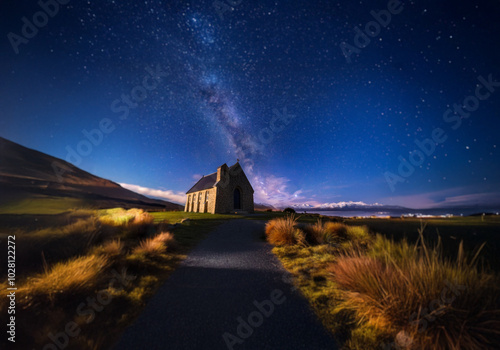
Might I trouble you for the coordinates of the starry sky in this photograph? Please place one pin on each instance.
(319, 101)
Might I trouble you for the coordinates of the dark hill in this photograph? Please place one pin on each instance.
(34, 182)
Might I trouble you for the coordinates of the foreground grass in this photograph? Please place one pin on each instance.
(113, 262)
(472, 230)
(375, 293)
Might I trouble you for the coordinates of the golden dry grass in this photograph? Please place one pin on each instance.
(167, 239)
(89, 227)
(77, 275)
(332, 233)
(336, 229)
(122, 217)
(111, 249)
(150, 248)
(436, 303)
(135, 222)
(316, 233)
(284, 231)
(156, 245)
(141, 217)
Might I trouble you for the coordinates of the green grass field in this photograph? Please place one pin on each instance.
(176, 216)
(42, 205)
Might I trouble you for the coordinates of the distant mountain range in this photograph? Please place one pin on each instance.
(347, 206)
(29, 183)
(34, 182)
(395, 210)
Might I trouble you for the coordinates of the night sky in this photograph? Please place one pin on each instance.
(182, 87)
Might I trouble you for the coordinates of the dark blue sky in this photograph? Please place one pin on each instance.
(266, 82)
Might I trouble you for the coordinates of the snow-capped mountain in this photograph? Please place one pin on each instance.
(349, 204)
(302, 206)
(343, 206)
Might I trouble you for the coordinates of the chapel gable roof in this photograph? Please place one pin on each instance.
(206, 182)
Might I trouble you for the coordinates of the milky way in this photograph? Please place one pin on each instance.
(358, 115)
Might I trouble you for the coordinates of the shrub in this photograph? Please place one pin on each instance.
(289, 211)
(414, 291)
(284, 231)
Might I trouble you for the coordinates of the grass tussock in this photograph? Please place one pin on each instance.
(419, 298)
(76, 276)
(336, 229)
(136, 223)
(331, 233)
(357, 238)
(150, 248)
(112, 249)
(380, 293)
(89, 227)
(122, 217)
(284, 231)
(82, 235)
(167, 239)
(156, 246)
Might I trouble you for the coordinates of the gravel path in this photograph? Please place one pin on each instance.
(230, 293)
